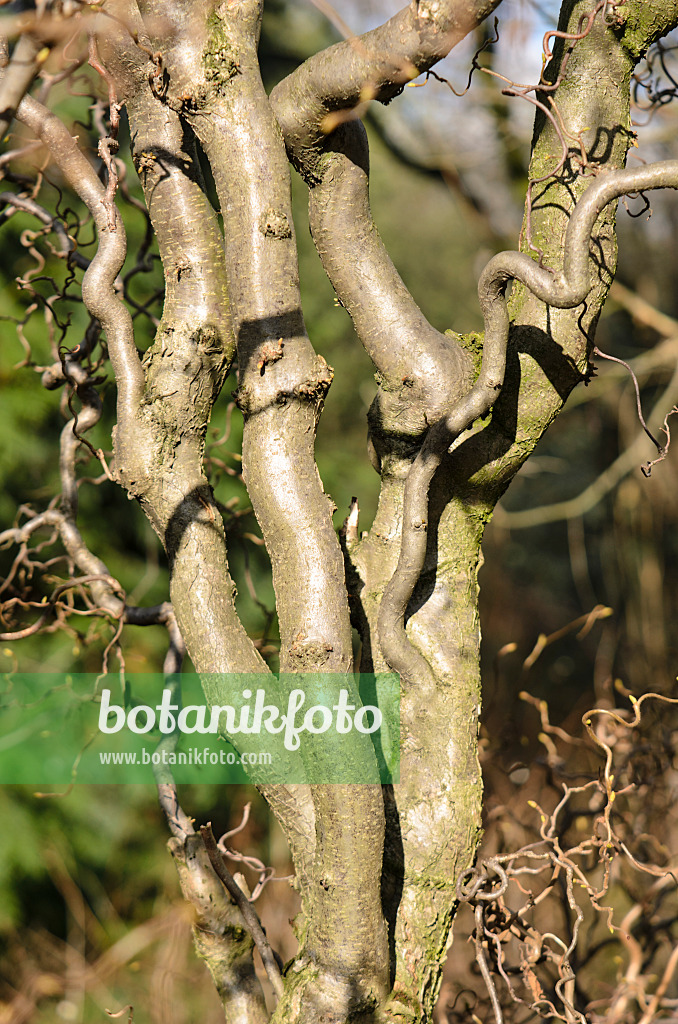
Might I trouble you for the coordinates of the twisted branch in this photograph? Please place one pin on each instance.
(219, 935)
(98, 290)
(318, 107)
(564, 290)
(29, 55)
(249, 914)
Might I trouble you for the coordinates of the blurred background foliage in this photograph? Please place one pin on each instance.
(90, 912)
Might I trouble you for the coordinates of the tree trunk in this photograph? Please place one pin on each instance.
(454, 419)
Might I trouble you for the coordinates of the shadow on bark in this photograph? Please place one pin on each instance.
(197, 506)
(393, 873)
(163, 158)
(453, 477)
(277, 327)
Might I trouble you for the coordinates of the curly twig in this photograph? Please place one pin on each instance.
(250, 916)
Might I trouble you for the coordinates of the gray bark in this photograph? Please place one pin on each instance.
(377, 869)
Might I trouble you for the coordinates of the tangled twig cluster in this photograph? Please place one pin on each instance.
(579, 923)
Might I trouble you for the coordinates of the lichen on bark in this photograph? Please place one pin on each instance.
(377, 868)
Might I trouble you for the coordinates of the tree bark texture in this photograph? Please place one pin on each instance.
(452, 423)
